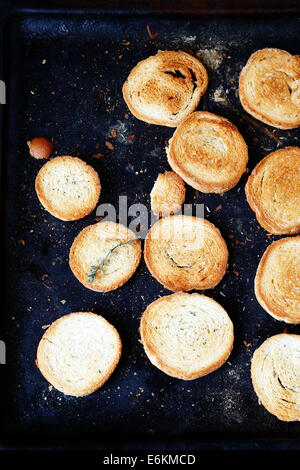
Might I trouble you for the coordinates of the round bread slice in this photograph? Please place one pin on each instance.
(186, 335)
(184, 253)
(68, 188)
(277, 281)
(104, 256)
(165, 88)
(273, 191)
(269, 88)
(275, 372)
(208, 152)
(168, 194)
(78, 353)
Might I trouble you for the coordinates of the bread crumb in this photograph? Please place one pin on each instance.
(219, 97)
(109, 145)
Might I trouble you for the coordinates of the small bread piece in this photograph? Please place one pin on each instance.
(208, 152)
(68, 188)
(275, 372)
(269, 88)
(104, 256)
(78, 353)
(186, 335)
(168, 194)
(165, 88)
(277, 281)
(185, 252)
(273, 191)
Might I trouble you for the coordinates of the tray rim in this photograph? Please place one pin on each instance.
(11, 9)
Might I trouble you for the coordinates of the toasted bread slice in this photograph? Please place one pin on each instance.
(277, 281)
(269, 88)
(273, 191)
(165, 88)
(275, 372)
(68, 188)
(208, 152)
(78, 353)
(186, 335)
(184, 253)
(104, 256)
(168, 194)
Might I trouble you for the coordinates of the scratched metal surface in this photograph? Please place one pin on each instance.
(64, 75)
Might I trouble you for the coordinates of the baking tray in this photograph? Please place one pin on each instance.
(64, 72)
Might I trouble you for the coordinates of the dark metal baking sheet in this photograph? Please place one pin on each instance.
(64, 72)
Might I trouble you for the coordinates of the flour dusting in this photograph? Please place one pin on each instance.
(188, 39)
(212, 58)
(121, 130)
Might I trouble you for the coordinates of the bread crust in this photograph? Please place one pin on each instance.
(165, 88)
(159, 317)
(67, 209)
(269, 88)
(275, 373)
(277, 280)
(273, 191)
(185, 253)
(208, 152)
(168, 194)
(93, 244)
(52, 336)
